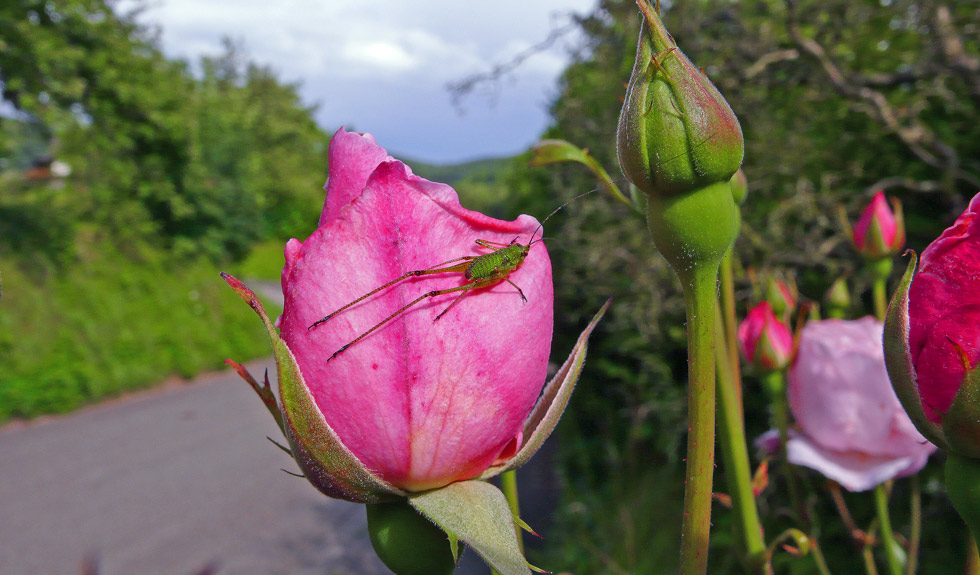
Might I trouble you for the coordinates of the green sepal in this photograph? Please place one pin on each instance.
(324, 459)
(409, 543)
(961, 424)
(898, 359)
(551, 405)
(478, 514)
(740, 187)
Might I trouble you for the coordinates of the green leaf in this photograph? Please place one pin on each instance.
(551, 405)
(325, 460)
(477, 513)
(557, 151)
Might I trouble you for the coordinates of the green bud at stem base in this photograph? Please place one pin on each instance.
(695, 228)
(408, 543)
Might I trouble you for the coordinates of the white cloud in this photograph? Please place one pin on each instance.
(388, 61)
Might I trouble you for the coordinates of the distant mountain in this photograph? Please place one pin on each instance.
(481, 183)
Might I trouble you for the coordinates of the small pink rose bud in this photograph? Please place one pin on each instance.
(880, 232)
(933, 336)
(783, 296)
(765, 341)
(852, 427)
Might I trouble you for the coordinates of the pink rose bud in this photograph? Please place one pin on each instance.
(382, 404)
(783, 296)
(765, 341)
(933, 337)
(422, 403)
(880, 232)
(852, 427)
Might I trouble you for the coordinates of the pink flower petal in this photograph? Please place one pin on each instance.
(944, 307)
(854, 470)
(421, 402)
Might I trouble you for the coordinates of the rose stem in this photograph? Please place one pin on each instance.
(734, 452)
(893, 553)
(508, 483)
(880, 270)
(700, 284)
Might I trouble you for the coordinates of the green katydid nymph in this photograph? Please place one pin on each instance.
(480, 271)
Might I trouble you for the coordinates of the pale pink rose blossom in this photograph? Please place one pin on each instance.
(852, 427)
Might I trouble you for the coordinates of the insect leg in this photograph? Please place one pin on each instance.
(414, 273)
(491, 245)
(518, 288)
(474, 285)
(462, 288)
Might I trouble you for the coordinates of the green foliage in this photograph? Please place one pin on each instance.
(811, 146)
(200, 164)
(108, 325)
(110, 280)
(479, 183)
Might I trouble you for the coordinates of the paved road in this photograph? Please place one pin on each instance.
(170, 481)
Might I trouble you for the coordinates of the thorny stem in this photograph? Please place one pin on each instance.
(775, 385)
(731, 325)
(893, 553)
(731, 438)
(880, 270)
(508, 484)
(700, 284)
(915, 519)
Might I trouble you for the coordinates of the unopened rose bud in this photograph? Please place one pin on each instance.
(679, 143)
(765, 341)
(932, 338)
(783, 296)
(880, 232)
(676, 132)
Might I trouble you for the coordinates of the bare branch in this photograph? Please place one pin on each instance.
(464, 87)
(906, 183)
(951, 47)
(921, 140)
(769, 59)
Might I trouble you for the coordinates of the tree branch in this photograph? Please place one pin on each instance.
(916, 135)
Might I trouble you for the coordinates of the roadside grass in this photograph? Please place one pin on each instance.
(100, 327)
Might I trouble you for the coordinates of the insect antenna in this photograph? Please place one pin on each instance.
(558, 209)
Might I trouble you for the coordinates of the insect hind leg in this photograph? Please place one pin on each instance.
(518, 288)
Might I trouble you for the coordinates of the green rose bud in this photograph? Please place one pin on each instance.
(408, 543)
(676, 131)
(740, 187)
(838, 299)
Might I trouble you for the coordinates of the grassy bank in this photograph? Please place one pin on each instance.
(94, 329)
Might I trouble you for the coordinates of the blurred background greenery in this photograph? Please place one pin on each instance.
(109, 266)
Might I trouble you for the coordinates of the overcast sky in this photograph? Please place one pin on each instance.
(382, 66)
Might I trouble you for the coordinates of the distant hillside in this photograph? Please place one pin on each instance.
(481, 183)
